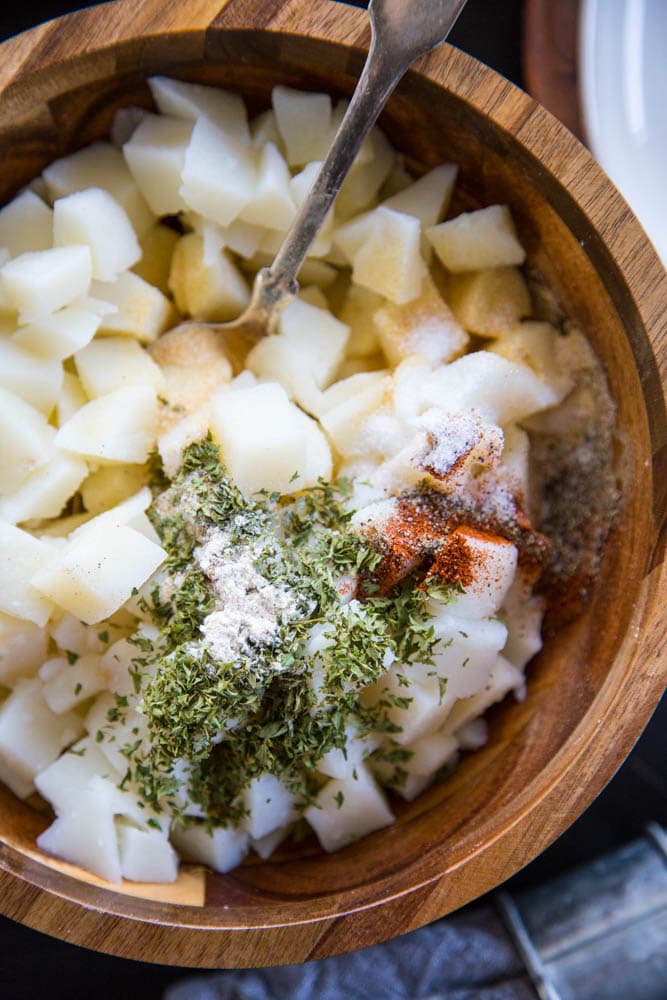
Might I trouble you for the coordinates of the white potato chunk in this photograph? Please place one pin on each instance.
(536, 345)
(114, 363)
(46, 490)
(384, 250)
(193, 100)
(357, 311)
(146, 855)
(155, 155)
(71, 398)
(124, 512)
(463, 659)
(263, 129)
(427, 198)
(504, 677)
(272, 204)
(345, 811)
(341, 762)
(304, 122)
(491, 562)
(170, 445)
(72, 636)
(40, 283)
(118, 427)
(426, 326)
(141, 311)
(109, 485)
(96, 572)
(157, 248)
(265, 846)
(85, 834)
(276, 359)
(263, 438)
(63, 781)
(475, 240)
(118, 660)
(416, 709)
(206, 283)
(219, 174)
(343, 420)
(95, 219)
(367, 175)
(318, 336)
(61, 334)
(429, 753)
(221, 850)
(100, 165)
(21, 556)
(489, 302)
(36, 379)
(31, 736)
(66, 685)
(26, 225)
(22, 649)
(269, 806)
(112, 737)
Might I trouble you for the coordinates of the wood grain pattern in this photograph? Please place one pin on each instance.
(595, 684)
(551, 58)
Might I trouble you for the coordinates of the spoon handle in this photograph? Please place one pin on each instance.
(402, 30)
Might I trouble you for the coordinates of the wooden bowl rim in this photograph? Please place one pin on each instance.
(99, 918)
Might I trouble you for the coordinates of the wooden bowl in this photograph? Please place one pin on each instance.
(594, 686)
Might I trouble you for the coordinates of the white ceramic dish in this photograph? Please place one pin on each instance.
(623, 73)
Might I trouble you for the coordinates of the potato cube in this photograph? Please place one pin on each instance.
(113, 363)
(192, 101)
(26, 440)
(269, 806)
(263, 438)
(535, 345)
(170, 445)
(95, 219)
(157, 247)
(46, 490)
(31, 736)
(206, 283)
(489, 302)
(222, 849)
(427, 198)
(97, 571)
(142, 311)
(357, 312)
(156, 155)
(503, 678)
(318, 336)
(40, 283)
(85, 834)
(272, 204)
(492, 562)
(110, 484)
(426, 327)
(118, 427)
(219, 175)
(343, 421)
(367, 175)
(63, 781)
(100, 165)
(22, 649)
(66, 685)
(35, 379)
(146, 855)
(275, 358)
(61, 334)
(384, 249)
(476, 240)
(21, 556)
(26, 225)
(71, 398)
(347, 810)
(303, 121)
(417, 710)
(263, 129)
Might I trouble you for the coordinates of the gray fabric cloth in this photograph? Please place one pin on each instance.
(467, 956)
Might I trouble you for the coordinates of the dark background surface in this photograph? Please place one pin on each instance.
(33, 965)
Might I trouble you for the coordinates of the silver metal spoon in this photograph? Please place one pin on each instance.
(402, 30)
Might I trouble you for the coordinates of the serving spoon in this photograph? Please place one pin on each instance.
(402, 30)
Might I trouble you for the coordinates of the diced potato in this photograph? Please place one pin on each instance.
(303, 121)
(124, 513)
(427, 198)
(367, 175)
(535, 345)
(263, 129)
(118, 427)
(31, 736)
(342, 762)
(476, 240)
(96, 572)
(383, 247)
(45, 491)
(219, 175)
(170, 445)
(357, 312)
(21, 556)
(156, 155)
(113, 363)
(221, 850)
(26, 441)
(110, 484)
(417, 710)
(489, 302)
(35, 379)
(429, 753)
(263, 439)
(194, 365)
(503, 678)
(318, 336)
(26, 225)
(22, 649)
(514, 463)
(492, 565)
(269, 806)
(60, 334)
(192, 101)
(71, 635)
(100, 165)
(63, 781)
(142, 312)
(146, 855)
(345, 811)
(206, 283)
(112, 737)
(71, 398)
(66, 685)
(157, 247)
(275, 358)
(37, 284)
(342, 422)
(95, 219)
(272, 204)
(119, 658)
(85, 834)
(425, 326)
